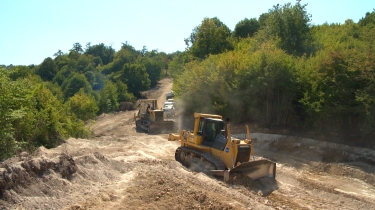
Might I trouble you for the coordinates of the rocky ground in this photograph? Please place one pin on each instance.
(120, 168)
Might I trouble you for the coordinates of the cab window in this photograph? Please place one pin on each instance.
(201, 126)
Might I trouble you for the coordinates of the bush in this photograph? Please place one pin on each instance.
(108, 98)
(83, 106)
(12, 101)
(31, 116)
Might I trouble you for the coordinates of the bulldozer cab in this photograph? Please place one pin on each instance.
(211, 131)
(143, 104)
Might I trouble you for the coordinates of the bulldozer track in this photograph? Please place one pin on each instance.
(208, 157)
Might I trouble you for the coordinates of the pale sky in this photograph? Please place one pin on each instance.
(32, 30)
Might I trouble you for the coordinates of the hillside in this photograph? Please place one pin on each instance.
(119, 168)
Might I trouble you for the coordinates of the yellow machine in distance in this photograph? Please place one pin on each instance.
(152, 119)
(211, 147)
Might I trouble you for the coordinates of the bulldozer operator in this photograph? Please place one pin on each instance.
(148, 111)
(211, 133)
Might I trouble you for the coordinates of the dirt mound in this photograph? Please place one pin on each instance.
(14, 178)
(314, 149)
(162, 185)
(262, 187)
(55, 181)
(165, 184)
(356, 170)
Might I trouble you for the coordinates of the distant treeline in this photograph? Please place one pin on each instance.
(43, 105)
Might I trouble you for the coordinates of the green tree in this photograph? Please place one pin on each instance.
(153, 69)
(123, 94)
(80, 63)
(62, 61)
(73, 55)
(106, 53)
(58, 53)
(267, 86)
(12, 102)
(368, 20)
(176, 66)
(263, 19)
(160, 57)
(126, 55)
(246, 27)
(31, 116)
(290, 26)
(62, 75)
(77, 47)
(258, 86)
(164, 59)
(47, 69)
(43, 123)
(73, 84)
(20, 72)
(336, 93)
(135, 77)
(55, 90)
(211, 37)
(108, 98)
(77, 63)
(83, 105)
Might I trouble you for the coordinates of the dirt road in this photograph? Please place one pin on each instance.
(119, 168)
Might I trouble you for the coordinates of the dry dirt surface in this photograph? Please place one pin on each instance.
(120, 168)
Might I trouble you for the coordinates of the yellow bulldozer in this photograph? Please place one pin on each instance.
(211, 147)
(152, 119)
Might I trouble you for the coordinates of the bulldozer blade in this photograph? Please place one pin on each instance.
(216, 172)
(256, 169)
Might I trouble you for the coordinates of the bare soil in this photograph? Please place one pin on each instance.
(120, 168)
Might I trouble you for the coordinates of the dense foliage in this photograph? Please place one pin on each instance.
(43, 105)
(285, 72)
(31, 116)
